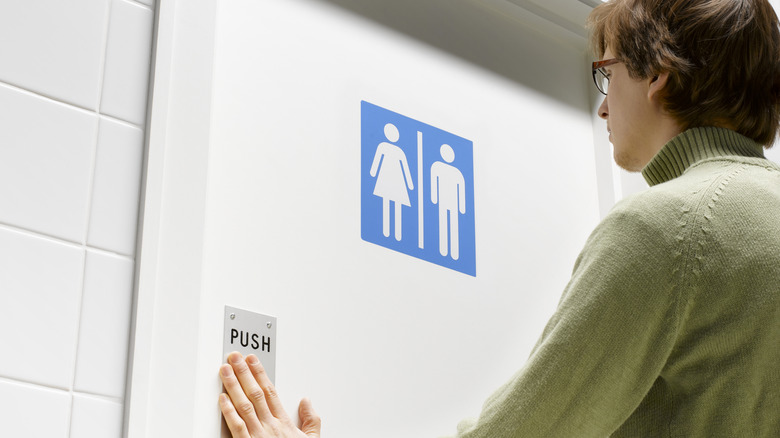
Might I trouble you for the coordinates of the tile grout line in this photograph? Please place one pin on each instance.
(58, 240)
(50, 99)
(144, 5)
(78, 333)
(120, 121)
(69, 105)
(101, 397)
(90, 199)
(30, 384)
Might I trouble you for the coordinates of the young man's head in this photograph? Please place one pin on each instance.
(697, 62)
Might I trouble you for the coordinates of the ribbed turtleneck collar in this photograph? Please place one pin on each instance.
(694, 145)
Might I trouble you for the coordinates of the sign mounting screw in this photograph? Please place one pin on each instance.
(232, 316)
(268, 324)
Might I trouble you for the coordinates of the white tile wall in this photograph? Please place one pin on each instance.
(46, 151)
(73, 92)
(41, 290)
(117, 185)
(95, 418)
(105, 325)
(54, 48)
(128, 58)
(33, 412)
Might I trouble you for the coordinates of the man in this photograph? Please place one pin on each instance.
(670, 325)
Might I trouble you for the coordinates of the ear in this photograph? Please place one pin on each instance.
(656, 85)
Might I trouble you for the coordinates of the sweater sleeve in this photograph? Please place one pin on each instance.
(607, 342)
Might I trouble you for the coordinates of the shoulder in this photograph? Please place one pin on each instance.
(652, 212)
(639, 234)
(729, 191)
(653, 225)
(708, 203)
(689, 195)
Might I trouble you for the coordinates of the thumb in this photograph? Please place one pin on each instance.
(310, 421)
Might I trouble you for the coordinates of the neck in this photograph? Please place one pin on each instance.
(665, 131)
(694, 145)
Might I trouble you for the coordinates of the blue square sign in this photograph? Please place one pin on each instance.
(417, 189)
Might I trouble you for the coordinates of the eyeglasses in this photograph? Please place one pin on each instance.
(600, 77)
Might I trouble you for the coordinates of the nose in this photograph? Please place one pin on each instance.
(604, 109)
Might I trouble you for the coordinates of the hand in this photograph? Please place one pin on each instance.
(252, 408)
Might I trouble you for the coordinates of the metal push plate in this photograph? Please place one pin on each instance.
(251, 333)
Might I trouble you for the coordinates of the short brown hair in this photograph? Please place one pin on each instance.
(723, 58)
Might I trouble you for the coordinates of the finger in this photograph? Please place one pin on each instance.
(239, 401)
(311, 423)
(234, 422)
(271, 396)
(253, 391)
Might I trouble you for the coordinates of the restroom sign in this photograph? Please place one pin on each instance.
(417, 189)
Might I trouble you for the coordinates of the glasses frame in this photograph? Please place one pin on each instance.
(597, 68)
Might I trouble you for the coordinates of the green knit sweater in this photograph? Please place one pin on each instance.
(670, 325)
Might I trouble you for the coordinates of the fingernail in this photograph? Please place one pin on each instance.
(235, 357)
(226, 370)
(252, 359)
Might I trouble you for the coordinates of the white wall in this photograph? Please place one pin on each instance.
(73, 87)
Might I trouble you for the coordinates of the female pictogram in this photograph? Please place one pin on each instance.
(393, 180)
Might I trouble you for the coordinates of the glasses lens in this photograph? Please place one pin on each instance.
(601, 81)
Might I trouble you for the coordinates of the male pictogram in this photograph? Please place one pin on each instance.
(449, 191)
